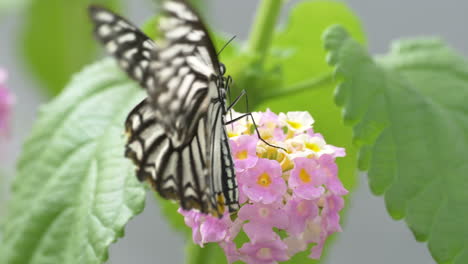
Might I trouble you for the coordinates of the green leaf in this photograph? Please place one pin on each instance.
(298, 47)
(409, 110)
(211, 253)
(307, 83)
(57, 40)
(307, 78)
(75, 191)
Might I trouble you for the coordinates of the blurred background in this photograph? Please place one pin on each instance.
(369, 236)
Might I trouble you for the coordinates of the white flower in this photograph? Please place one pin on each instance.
(297, 121)
(308, 146)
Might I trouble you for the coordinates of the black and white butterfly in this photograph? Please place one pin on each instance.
(176, 136)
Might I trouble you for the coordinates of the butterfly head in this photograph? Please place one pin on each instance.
(222, 69)
(224, 82)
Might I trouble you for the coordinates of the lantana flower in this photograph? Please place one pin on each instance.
(6, 102)
(297, 122)
(290, 195)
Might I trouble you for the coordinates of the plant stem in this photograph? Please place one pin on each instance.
(302, 86)
(195, 254)
(263, 28)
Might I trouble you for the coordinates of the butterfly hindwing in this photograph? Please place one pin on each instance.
(223, 184)
(131, 47)
(176, 173)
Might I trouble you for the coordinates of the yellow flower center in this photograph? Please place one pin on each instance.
(264, 180)
(232, 134)
(304, 176)
(241, 155)
(295, 125)
(264, 253)
(312, 146)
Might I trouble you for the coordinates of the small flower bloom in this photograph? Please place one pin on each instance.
(213, 229)
(192, 219)
(263, 183)
(206, 228)
(332, 206)
(297, 122)
(316, 233)
(267, 252)
(299, 211)
(330, 170)
(244, 150)
(306, 179)
(295, 245)
(6, 102)
(262, 218)
(313, 146)
(271, 215)
(257, 232)
(231, 251)
(270, 126)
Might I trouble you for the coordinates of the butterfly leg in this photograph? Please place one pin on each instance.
(255, 126)
(243, 92)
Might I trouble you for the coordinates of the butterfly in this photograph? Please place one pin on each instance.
(176, 136)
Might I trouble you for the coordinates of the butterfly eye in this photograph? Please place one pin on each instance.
(222, 68)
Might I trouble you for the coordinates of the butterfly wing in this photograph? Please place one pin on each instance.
(222, 178)
(198, 94)
(177, 173)
(131, 47)
(176, 136)
(184, 173)
(184, 68)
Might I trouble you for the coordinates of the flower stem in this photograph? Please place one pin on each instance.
(195, 254)
(263, 28)
(309, 84)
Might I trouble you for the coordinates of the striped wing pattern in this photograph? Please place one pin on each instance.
(224, 185)
(176, 136)
(131, 47)
(183, 68)
(176, 173)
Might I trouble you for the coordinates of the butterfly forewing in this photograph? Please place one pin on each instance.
(184, 67)
(131, 47)
(176, 136)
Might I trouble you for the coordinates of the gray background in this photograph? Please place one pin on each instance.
(370, 235)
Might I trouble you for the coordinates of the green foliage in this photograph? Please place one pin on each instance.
(75, 191)
(8, 5)
(57, 40)
(410, 117)
(307, 82)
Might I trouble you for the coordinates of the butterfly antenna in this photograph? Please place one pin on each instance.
(230, 99)
(225, 45)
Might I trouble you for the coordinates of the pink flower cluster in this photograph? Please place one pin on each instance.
(6, 102)
(290, 196)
